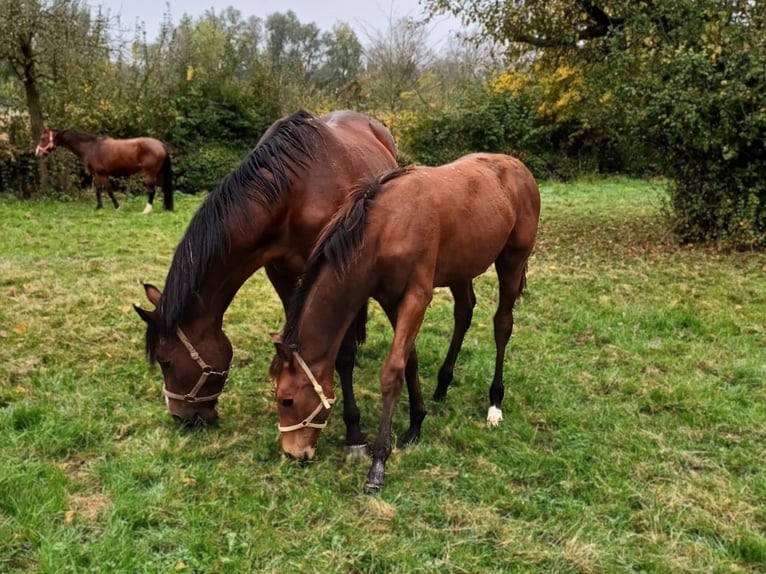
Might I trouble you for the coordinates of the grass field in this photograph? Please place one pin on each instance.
(634, 437)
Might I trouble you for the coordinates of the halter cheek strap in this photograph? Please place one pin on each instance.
(207, 370)
(324, 402)
(49, 147)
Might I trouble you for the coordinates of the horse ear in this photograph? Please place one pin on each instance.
(284, 351)
(148, 316)
(152, 293)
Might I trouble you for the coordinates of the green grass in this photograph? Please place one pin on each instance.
(633, 441)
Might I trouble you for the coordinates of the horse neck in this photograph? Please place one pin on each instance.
(227, 272)
(329, 309)
(76, 142)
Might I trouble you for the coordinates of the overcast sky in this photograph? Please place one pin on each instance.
(364, 16)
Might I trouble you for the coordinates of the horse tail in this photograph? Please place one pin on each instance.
(167, 181)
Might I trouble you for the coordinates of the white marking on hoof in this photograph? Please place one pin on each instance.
(147, 209)
(494, 416)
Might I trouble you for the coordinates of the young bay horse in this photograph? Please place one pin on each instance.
(266, 213)
(399, 237)
(105, 157)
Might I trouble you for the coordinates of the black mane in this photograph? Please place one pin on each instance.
(265, 174)
(73, 137)
(337, 247)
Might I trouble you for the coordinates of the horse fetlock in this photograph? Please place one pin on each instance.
(356, 451)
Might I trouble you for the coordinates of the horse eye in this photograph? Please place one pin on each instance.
(287, 402)
(164, 365)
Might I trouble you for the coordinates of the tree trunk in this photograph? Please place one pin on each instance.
(35, 113)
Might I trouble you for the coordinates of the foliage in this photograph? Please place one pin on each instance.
(680, 82)
(709, 118)
(513, 114)
(482, 121)
(633, 436)
(202, 169)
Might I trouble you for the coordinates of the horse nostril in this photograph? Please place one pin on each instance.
(287, 402)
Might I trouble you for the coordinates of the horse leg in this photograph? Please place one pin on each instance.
(417, 406)
(408, 318)
(102, 182)
(284, 283)
(108, 186)
(151, 191)
(465, 301)
(511, 268)
(344, 365)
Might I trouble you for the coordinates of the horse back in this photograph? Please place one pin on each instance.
(457, 217)
(368, 147)
(351, 151)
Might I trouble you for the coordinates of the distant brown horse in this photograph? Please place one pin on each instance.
(266, 213)
(104, 157)
(398, 238)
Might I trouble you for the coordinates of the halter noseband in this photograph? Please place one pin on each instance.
(49, 147)
(207, 370)
(324, 402)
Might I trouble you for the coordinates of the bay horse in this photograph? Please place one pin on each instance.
(266, 213)
(105, 157)
(397, 238)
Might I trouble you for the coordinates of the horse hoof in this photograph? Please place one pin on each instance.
(494, 416)
(410, 438)
(372, 488)
(356, 451)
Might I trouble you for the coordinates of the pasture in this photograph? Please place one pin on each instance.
(634, 437)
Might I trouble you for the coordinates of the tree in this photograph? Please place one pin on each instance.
(342, 62)
(684, 77)
(396, 58)
(37, 40)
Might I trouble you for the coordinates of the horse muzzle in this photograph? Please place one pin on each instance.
(297, 447)
(194, 415)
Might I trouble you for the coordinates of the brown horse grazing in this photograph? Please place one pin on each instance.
(104, 157)
(409, 231)
(266, 213)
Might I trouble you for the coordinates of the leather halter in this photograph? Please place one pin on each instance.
(49, 147)
(324, 402)
(207, 370)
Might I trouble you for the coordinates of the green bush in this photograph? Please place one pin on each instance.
(487, 121)
(481, 122)
(710, 120)
(203, 169)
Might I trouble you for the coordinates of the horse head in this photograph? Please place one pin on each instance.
(194, 359)
(301, 402)
(47, 143)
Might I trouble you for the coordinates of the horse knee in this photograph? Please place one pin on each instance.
(392, 377)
